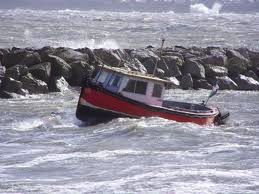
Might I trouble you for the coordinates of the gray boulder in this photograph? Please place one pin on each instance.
(235, 54)
(144, 55)
(186, 82)
(108, 57)
(225, 83)
(80, 70)
(194, 68)
(16, 72)
(44, 53)
(1, 56)
(58, 84)
(33, 85)
(41, 71)
(236, 66)
(59, 67)
(22, 57)
(11, 85)
(213, 71)
(172, 64)
(69, 55)
(30, 59)
(7, 95)
(89, 52)
(2, 73)
(135, 65)
(160, 73)
(215, 56)
(174, 83)
(252, 74)
(246, 83)
(201, 84)
(149, 64)
(237, 63)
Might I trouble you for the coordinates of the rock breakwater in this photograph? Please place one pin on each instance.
(33, 71)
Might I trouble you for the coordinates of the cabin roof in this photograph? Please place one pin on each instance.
(136, 74)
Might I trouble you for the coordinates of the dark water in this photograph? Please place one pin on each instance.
(45, 149)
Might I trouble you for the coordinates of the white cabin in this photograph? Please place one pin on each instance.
(143, 88)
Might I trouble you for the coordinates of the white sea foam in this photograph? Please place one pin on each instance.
(203, 9)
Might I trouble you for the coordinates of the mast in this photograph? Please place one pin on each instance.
(160, 55)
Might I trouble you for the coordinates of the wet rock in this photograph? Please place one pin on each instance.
(21, 57)
(201, 84)
(80, 70)
(41, 71)
(30, 59)
(225, 83)
(136, 65)
(160, 73)
(16, 72)
(1, 56)
(144, 55)
(69, 55)
(150, 65)
(194, 68)
(108, 57)
(213, 71)
(4, 51)
(44, 53)
(215, 56)
(11, 85)
(33, 85)
(235, 54)
(219, 60)
(59, 67)
(236, 66)
(6, 95)
(2, 73)
(89, 52)
(252, 74)
(237, 63)
(174, 83)
(58, 84)
(172, 66)
(246, 83)
(186, 82)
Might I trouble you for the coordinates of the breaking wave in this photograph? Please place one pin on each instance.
(203, 9)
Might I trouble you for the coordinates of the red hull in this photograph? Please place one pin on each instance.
(99, 99)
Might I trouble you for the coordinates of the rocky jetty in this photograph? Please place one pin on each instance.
(34, 71)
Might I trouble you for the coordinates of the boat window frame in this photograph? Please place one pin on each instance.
(102, 77)
(136, 89)
(114, 77)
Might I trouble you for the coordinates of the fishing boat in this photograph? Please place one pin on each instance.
(117, 92)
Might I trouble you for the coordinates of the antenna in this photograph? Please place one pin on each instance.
(160, 55)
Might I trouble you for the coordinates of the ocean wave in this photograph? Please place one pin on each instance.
(203, 9)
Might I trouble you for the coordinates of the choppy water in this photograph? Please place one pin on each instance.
(70, 28)
(45, 149)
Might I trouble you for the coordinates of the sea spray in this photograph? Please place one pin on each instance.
(203, 9)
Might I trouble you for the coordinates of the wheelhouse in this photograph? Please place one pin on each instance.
(133, 85)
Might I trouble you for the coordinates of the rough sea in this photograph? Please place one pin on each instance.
(45, 149)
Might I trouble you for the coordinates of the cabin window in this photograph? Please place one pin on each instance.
(134, 86)
(130, 87)
(102, 76)
(115, 81)
(141, 87)
(157, 91)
